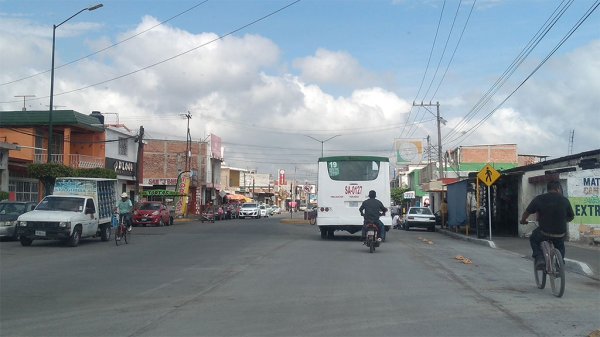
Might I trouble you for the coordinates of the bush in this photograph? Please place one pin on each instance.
(3, 195)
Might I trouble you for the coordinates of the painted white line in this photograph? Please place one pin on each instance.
(164, 285)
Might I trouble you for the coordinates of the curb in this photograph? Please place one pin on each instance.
(572, 265)
(482, 242)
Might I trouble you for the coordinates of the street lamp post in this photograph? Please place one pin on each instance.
(50, 129)
(322, 141)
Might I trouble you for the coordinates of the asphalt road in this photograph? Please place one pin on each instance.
(264, 278)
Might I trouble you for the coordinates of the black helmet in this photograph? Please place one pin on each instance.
(372, 194)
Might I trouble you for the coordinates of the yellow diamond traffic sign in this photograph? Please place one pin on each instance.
(488, 175)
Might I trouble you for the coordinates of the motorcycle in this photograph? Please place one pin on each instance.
(371, 240)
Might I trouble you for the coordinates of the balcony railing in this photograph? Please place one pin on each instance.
(74, 160)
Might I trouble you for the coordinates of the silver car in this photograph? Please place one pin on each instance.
(250, 209)
(9, 212)
(420, 217)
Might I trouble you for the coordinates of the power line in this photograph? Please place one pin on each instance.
(426, 68)
(517, 61)
(218, 38)
(563, 40)
(454, 52)
(106, 48)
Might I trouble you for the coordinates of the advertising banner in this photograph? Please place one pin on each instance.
(215, 147)
(183, 189)
(408, 151)
(282, 177)
(584, 194)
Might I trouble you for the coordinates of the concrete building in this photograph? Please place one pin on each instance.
(78, 141)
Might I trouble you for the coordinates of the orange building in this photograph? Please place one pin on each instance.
(78, 141)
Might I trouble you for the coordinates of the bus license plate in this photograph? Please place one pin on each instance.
(353, 203)
(40, 233)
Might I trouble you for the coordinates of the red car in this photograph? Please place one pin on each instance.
(152, 213)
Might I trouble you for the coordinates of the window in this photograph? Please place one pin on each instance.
(25, 190)
(123, 146)
(353, 170)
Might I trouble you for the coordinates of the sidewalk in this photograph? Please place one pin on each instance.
(580, 258)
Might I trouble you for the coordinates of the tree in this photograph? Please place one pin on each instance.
(398, 194)
(47, 173)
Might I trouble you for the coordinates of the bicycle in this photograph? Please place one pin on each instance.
(121, 232)
(554, 268)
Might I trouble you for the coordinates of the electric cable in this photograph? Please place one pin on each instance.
(562, 41)
(218, 38)
(517, 61)
(106, 48)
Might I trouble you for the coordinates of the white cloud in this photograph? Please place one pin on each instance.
(236, 89)
(337, 68)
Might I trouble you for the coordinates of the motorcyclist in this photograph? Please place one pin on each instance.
(371, 209)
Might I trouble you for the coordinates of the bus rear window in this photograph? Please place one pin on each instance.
(353, 170)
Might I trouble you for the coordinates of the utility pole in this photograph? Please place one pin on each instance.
(571, 137)
(188, 142)
(439, 132)
(140, 162)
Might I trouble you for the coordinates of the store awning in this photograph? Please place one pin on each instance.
(236, 197)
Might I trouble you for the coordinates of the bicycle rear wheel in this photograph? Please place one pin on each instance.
(540, 276)
(126, 235)
(557, 278)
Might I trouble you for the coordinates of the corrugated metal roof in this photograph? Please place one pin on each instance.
(59, 117)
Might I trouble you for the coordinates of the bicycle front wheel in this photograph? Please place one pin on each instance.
(557, 278)
(117, 235)
(540, 276)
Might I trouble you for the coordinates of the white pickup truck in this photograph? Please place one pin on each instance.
(78, 208)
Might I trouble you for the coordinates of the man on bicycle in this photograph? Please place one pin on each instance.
(554, 211)
(371, 209)
(124, 207)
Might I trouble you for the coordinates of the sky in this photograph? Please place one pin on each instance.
(283, 81)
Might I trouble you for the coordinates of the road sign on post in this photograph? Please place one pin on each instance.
(488, 175)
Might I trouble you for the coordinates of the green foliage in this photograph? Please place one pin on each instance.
(3, 195)
(49, 172)
(398, 194)
(96, 173)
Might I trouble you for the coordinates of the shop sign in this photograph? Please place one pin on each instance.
(121, 167)
(160, 181)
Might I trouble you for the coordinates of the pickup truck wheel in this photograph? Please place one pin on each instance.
(105, 233)
(25, 241)
(75, 237)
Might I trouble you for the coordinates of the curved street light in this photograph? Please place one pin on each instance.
(322, 141)
(50, 129)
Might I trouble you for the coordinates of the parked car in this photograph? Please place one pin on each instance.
(9, 212)
(263, 211)
(420, 217)
(275, 210)
(250, 209)
(152, 213)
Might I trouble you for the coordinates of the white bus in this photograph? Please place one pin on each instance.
(344, 183)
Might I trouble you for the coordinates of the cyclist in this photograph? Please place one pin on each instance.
(554, 211)
(371, 209)
(124, 207)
